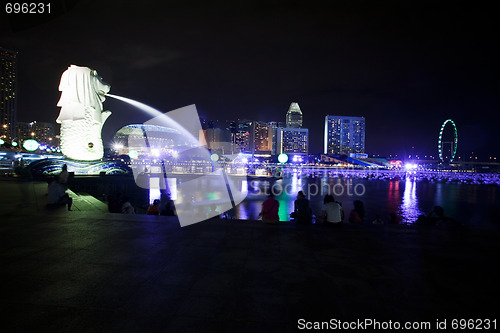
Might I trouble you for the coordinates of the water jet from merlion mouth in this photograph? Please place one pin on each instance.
(161, 119)
(202, 185)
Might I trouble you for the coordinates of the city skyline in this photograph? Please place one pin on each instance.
(404, 67)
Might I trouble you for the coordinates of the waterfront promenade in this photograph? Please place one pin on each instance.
(92, 271)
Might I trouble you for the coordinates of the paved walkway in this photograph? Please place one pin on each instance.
(92, 271)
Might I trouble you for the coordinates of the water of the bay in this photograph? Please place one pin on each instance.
(470, 204)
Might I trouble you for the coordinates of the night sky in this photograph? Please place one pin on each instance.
(406, 66)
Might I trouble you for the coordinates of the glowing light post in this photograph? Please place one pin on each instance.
(282, 158)
(30, 145)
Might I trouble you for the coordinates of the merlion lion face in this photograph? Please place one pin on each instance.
(101, 87)
(82, 116)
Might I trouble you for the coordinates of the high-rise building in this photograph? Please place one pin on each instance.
(273, 126)
(242, 137)
(262, 138)
(344, 135)
(8, 92)
(292, 140)
(294, 116)
(39, 131)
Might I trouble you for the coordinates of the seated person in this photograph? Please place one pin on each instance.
(154, 209)
(302, 213)
(270, 209)
(332, 213)
(57, 195)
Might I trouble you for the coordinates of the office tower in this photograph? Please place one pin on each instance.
(292, 141)
(344, 135)
(8, 94)
(294, 116)
(262, 138)
(243, 136)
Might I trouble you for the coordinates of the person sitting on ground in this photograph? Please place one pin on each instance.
(127, 207)
(378, 220)
(393, 219)
(270, 208)
(213, 212)
(57, 195)
(154, 208)
(357, 215)
(332, 213)
(62, 177)
(302, 213)
(115, 203)
(166, 205)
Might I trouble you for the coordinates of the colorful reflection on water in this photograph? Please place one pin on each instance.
(408, 210)
(405, 199)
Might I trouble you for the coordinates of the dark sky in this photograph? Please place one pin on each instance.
(407, 66)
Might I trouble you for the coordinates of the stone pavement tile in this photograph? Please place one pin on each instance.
(73, 271)
(218, 307)
(253, 326)
(123, 321)
(257, 306)
(132, 275)
(15, 268)
(102, 296)
(212, 283)
(156, 299)
(175, 277)
(47, 318)
(188, 324)
(314, 304)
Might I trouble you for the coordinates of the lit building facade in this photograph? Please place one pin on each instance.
(8, 94)
(242, 137)
(292, 141)
(262, 138)
(273, 126)
(344, 135)
(294, 116)
(40, 131)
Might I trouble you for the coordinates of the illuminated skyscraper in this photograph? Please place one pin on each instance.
(294, 116)
(8, 91)
(344, 135)
(292, 141)
(263, 136)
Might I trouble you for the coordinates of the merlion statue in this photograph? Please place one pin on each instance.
(81, 116)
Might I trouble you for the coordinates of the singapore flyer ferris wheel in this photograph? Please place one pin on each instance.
(452, 144)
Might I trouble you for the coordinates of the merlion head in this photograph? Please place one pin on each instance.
(81, 116)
